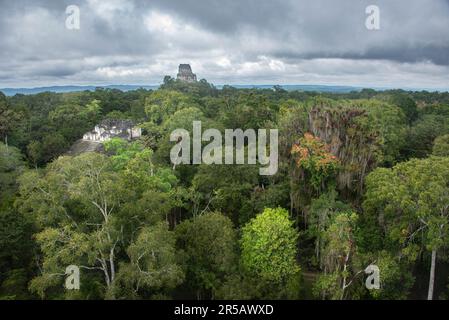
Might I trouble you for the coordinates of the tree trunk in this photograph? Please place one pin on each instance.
(432, 275)
(112, 264)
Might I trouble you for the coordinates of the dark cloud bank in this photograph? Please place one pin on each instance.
(233, 41)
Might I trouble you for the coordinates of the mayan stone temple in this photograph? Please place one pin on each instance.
(111, 128)
(185, 73)
(107, 129)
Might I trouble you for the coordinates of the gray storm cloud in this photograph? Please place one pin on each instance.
(233, 41)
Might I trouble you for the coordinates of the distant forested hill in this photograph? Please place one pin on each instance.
(62, 89)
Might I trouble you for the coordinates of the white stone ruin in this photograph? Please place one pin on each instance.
(111, 128)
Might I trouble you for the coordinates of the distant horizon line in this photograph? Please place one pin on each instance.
(219, 86)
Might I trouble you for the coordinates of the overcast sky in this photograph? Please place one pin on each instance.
(226, 42)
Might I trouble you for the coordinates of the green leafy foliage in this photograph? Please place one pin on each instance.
(141, 228)
(339, 254)
(269, 246)
(412, 200)
(208, 243)
(441, 146)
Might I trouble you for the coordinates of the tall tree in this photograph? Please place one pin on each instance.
(338, 255)
(7, 118)
(153, 269)
(11, 166)
(208, 242)
(75, 203)
(269, 248)
(412, 203)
